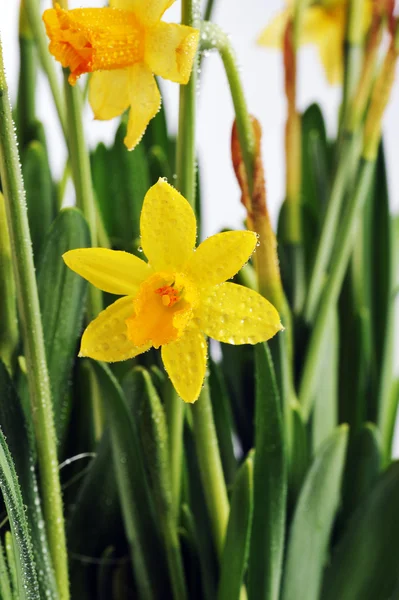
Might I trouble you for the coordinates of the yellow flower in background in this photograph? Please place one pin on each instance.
(124, 45)
(176, 298)
(324, 25)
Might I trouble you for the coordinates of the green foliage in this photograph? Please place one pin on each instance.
(287, 489)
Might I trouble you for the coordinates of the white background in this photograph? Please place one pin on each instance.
(262, 75)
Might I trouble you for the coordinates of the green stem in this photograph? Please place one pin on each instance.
(342, 252)
(210, 5)
(29, 310)
(33, 13)
(186, 184)
(349, 157)
(9, 335)
(173, 556)
(175, 416)
(211, 468)
(354, 54)
(81, 171)
(213, 37)
(299, 12)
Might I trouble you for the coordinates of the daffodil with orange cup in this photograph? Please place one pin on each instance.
(176, 298)
(124, 46)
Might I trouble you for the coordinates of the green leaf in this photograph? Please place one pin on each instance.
(300, 454)
(61, 295)
(39, 194)
(270, 485)
(223, 420)
(20, 444)
(315, 178)
(365, 562)
(388, 389)
(127, 187)
(313, 519)
(200, 523)
(363, 465)
(5, 581)
(236, 545)
(324, 415)
(27, 584)
(96, 509)
(143, 536)
(153, 437)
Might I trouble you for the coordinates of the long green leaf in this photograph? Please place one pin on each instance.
(143, 537)
(5, 580)
(270, 485)
(153, 437)
(39, 194)
(236, 545)
(20, 444)
(27, 584)
(362, 468)
(313, 519)
(61, 295)
(365, 563)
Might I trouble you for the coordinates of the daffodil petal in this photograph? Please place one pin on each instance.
(185, 363)
(112, 271)
(220, 257)
(145, 102)
(109, 93)
(147, 11)
(168, 228)
(170, 50)
(234, 314)
(272, 36)
(326, 29)
(106, 337)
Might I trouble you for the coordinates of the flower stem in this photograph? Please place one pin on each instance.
(81, 171)
(213, 37)
(354, 55)
(29, 310)
(345, 239)
(186, 184)
(32, 8)
(211, 468)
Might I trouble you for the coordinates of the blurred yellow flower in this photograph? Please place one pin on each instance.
(124, 45)
(176, 298)
(324, 25)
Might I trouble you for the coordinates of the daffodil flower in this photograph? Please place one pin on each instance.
(324, 25)
(178, 297)
(124, 45)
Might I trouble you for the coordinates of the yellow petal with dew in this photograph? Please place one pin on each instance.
(106, 337)
(145, 102)
(220, 257)
(234, 314)
(185, 363)
(170, 50)
(168, 228)
(94, 39)
(112, 271)
(273, 35)
(109, 93)
(147, 11)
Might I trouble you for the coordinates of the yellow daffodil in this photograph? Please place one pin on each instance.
(176, 298)
(124, 45)
(324, 25)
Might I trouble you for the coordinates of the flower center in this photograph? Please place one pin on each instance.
(169, 295)
(163, 308)
(94, 39)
